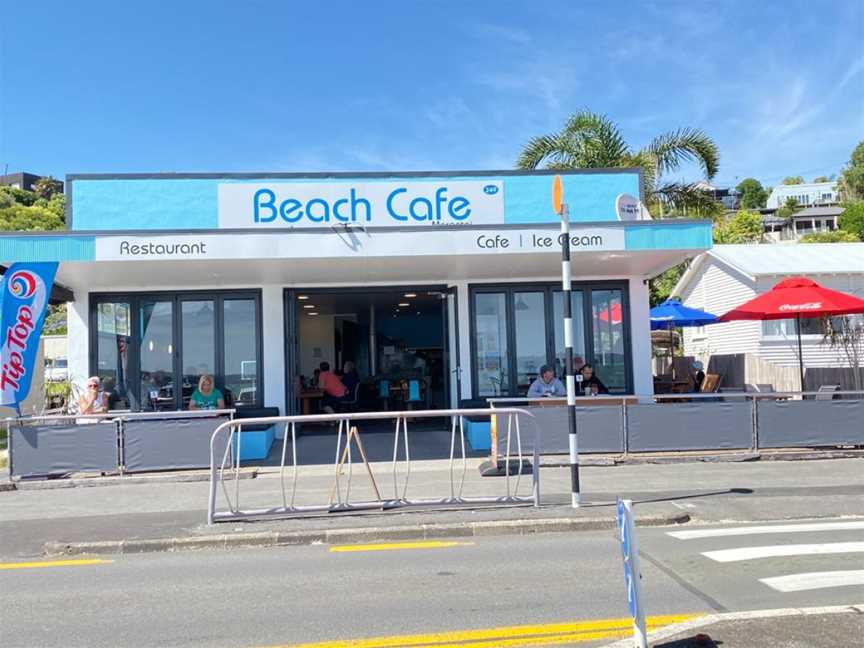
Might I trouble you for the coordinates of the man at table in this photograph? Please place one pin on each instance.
(546, 384)
(334, 389)
(591, 384)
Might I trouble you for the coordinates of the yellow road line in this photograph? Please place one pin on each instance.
(394, 546)
(524, 635)
(55, 563)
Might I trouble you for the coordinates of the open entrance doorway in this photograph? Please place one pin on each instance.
(387, 345)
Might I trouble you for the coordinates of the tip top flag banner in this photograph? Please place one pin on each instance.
(23, 303)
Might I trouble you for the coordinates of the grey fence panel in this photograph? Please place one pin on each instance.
(164, 444)
(689, 426)
(791, 423)
(601, 429)
(63, 448)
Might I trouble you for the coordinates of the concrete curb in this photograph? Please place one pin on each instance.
(670, 631)
(117, 480)
(353, 536)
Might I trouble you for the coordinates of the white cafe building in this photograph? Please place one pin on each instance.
(450, 280)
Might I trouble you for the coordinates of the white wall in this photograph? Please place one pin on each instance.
(640, 337)
(718, 289)
(316, 342)
(78, 340)
(273, 342)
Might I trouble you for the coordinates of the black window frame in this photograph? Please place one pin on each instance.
(549, 289)
(177, 297)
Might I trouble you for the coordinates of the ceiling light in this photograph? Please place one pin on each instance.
(404, 305)
(311, 313)
(410, 295)
(308, 305)
(302, 297)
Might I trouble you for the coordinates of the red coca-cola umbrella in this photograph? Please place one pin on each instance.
(796, 297)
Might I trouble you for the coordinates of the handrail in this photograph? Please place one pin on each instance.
(344, 452)
(687, 395)
(126, 415)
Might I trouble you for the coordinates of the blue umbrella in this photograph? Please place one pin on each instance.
(673, 313)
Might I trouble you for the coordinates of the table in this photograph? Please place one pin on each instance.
(306, 397)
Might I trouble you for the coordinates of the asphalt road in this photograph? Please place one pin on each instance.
(290, 595)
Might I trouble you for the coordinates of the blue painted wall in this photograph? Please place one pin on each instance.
(176, 203)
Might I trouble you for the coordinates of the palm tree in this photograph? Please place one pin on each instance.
(590, 140)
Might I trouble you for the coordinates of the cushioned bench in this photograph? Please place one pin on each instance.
(257, 438)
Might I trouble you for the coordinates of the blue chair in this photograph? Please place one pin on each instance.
(413, 393)
(384, 393)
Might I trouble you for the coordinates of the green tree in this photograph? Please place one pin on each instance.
(852, 219)
(822, 179)
(793, 180)
(851, 183)
(753, 195)
(46, 187)
(29, 219)
(744, 227)
(24, 211)
(660, 287)
(835, 236)
(20, 196)
(591, 140)
(788, 209)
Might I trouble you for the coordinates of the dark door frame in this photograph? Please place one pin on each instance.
(290, 318)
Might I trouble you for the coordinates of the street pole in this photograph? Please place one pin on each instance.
(568, 350)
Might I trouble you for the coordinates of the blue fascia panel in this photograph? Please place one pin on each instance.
(47, 248)
(656, 235)
(191, 203)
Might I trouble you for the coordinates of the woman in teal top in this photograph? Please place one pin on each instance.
(206, 396)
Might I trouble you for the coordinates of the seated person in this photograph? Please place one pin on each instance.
(206, 397)
(350, 378)
(590, 382)
(93, 400)
(334, 389)
(696, 377)
(546, 384)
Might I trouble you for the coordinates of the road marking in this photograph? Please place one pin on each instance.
(693, 534)
(395, 546)
(55, 563)
(815, 580)
(525, 635)
(706, 621)
(772, 551)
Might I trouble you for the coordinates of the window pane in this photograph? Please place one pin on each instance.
(576, 309)
(811, 326)
(112, 351)
(491, 344)
(610, 362)
(198, 325)
(787, 328)
(530, 316)
(241, 342)
(157, 356)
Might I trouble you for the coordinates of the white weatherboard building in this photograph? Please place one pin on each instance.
(809, 193)
(728, 275)
(451, 279)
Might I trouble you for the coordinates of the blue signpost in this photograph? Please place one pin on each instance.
(632, 573)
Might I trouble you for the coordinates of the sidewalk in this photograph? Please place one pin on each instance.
(835, 627)
(154, 513)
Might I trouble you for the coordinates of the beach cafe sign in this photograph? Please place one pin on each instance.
(374, 204)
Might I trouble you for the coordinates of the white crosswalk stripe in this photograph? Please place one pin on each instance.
(815, 580)
(774, 551)
(692, 534)
(813, 554)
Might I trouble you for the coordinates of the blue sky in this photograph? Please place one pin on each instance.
(367, 86)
